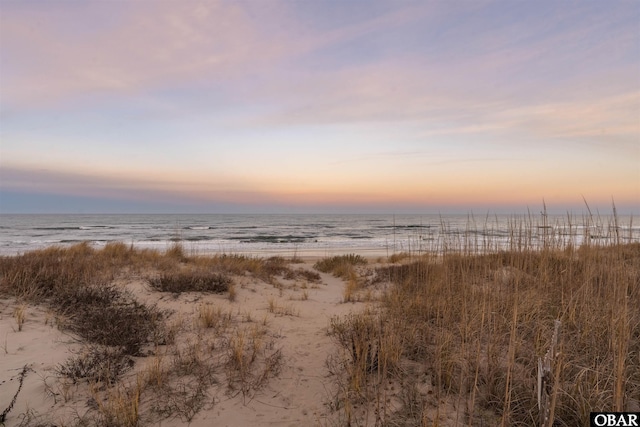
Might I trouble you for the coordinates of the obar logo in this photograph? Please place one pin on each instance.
(615, 419)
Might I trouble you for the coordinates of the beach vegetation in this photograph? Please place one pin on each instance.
(459, 336)
(399, 257)
(340, 265)
(83, 288)
(19, 314)
(192, 281)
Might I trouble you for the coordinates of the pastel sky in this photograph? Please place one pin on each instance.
(318, 106)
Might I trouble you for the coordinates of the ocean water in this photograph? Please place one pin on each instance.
(309, 234)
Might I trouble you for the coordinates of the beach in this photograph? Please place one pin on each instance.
(119, 336)
(292, 316)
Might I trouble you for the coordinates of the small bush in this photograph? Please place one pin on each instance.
(340, 266)
(192, 282)
(275, 266)
(176, 252)
(397, 257)
(96, 364)
(301, 273)
(105, 315)
(360, 336)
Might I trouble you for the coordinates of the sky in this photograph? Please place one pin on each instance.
(286, 106)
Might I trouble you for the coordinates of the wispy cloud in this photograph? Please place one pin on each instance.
(139, 48)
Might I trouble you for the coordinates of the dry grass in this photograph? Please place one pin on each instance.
(398, 257)
(212, 317)
(19, 314)
(461, 332)
(79, 285)
(281, 309)
(118, 406)
(192, 281)
(341, 265)
(251, 360)
(346, 268)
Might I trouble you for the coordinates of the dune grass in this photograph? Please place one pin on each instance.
(460, 334)
(82, 287)
(340, 265)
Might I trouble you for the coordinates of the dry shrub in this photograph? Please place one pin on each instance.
(340, 265)
(192, 281)
(107, 315)
(96, 364)
(180, 382)
(310, 276)
(239, 265)
(74, 282)
(400, 256)
(275, 266)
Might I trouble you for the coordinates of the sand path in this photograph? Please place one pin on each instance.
(298, 396)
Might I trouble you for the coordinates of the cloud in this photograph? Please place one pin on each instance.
(54, 58)
(455, 70)
(141, 48)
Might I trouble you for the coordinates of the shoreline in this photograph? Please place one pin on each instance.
(369, 252)
(310, 236)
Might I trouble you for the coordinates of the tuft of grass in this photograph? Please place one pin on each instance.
(341, 265)
(264, 269)
(177, 252)
(281, 310)
(351, 287)
(19, 314)
(251, 360)
(275, 266)
(400, 256)
(211, 317)
(233, 293)
(156, 373)
(119, 406)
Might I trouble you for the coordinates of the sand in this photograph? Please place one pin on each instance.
(298, 395)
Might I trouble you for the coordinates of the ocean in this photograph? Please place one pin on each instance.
(300, 234)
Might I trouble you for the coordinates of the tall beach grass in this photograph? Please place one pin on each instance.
(461, 332)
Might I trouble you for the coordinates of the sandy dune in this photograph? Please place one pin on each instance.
(295, 315)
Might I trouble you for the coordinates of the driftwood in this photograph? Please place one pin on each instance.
(548, 370)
